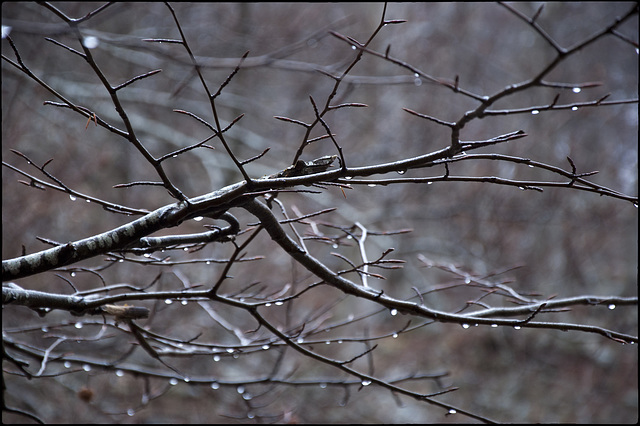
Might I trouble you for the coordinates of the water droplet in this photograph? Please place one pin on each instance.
(168, 301)
(240, 389)
(353, 48)
(328, 342)
(452, 411)
(67, 364)
(72, 197)
(86, 367)
(535, 112)
(78, 325)
(119, 373)
(215, 385)
(300, 340)
(401, 172)
(267, 304)
(416, 75)
(394, 312)
(6, 30)
(372, 185)
(494, 325)
(265, 347)
(465, 326)
(131, 412)
(395, 335)
(612, 306)
(216, 358)
(198, 218)
(348, 177)
(576, 90)
(365, 382)
(88, 201)
(230, 350)
(575, 108)
(323, 385)
(173, 381)
(516, 327)
(247, 396)
(279, 303)
(417, 82)
(90, 42)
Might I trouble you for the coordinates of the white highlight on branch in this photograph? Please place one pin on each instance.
(363, 254)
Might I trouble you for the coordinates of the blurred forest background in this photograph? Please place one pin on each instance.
(558, 242)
